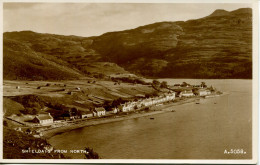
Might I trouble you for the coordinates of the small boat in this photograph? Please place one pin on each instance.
(151, 118)
(197, 103)
(173, 111)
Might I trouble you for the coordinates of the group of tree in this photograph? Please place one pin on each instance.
(158, 84)
(115, 103)
(99, 76)
(30, 111)
(154, 94)
(184, 84)
(132, 80)
(32, 103)
(62, 111)
(203, 85)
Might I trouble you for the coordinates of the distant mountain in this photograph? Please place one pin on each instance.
(216, 46)
(219, 12)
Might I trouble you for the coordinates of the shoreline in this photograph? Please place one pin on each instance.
(47, 134)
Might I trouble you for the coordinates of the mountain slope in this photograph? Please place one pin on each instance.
(20, 62)
(35, 56)
(216, 46)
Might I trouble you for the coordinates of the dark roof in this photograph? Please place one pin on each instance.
(100, 109)
(86, 112)
(43, 117)
(187, 92)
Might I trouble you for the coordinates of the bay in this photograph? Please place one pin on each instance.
(194, 131)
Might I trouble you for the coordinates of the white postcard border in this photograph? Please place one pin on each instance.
(255, 99)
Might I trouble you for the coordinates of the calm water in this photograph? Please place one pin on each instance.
(194, 131)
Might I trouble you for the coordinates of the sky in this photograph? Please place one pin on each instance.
(92, 19)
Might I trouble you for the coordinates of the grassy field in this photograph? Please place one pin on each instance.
(81, 94)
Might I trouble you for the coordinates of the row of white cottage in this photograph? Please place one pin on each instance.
(126, 107)
(130, 106)
(189, 93)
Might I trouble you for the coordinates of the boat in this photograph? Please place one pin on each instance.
(151, 118)
(197, 103)
(173, 111)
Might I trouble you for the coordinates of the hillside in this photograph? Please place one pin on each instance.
(34, 56)
(216, 46)
(14, 142)
(20, 62)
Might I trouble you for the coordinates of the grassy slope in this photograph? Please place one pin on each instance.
(20, 62)
(35, 56)
(84, 99)
(11, 107)
(14, 142)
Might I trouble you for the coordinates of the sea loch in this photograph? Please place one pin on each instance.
(193, 131)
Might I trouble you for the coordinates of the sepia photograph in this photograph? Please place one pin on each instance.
(149, 81)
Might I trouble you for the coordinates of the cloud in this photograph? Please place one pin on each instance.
(87, 19)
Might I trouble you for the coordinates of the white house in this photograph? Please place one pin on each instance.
(170, 97)
(147, 102)
(127, 106)
(203, 92)
(99, 111)
(43, 119)
(115, 110)
(187, 93)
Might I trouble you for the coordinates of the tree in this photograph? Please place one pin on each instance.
(91, 154)
(117, 102)
(147, 95)
(28, 130)
(195, 91)
(155, 94)
(164, 84)
(107, 104)
(203, 85)
(212, 89)
(184, 84)
(34, 111)
(101, 75)
(156, 83)
(30, 111)
(73, 111)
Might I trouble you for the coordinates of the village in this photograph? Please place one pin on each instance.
(47, 120)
